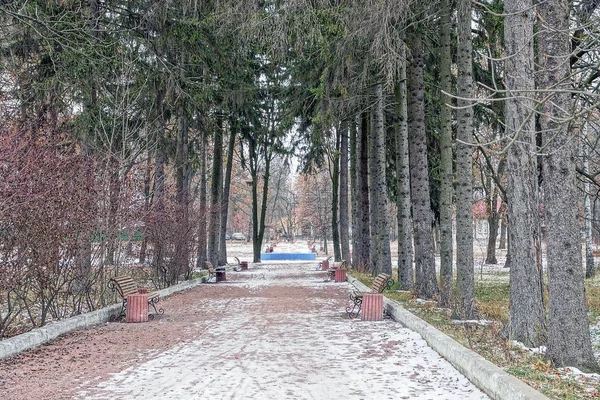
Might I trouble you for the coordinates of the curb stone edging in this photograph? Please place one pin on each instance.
(36, 337)
(493, 380)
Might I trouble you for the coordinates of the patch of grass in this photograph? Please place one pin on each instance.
(592, 294)
(549, 382)
(492, 300)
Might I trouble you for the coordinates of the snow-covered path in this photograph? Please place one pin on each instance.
(282, 333)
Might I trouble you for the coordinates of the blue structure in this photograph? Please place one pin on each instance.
(287, 256)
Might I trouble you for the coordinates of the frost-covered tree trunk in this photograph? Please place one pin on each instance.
(344, 225)
(378, 190)
(527, 316)
(445, 143)
(405, 236)
(425, 275)
(569, 342)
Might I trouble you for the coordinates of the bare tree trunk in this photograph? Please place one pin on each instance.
(181, 256)
(494, 215)
(216, 187)
(354, 188)
(334, 169)
(503, 233)
(147, 198)
(493, 224)
(258, 216)
(405, 253)
(226, 189)
(265, 193)
(83, 256)
(445, 143)
(344, 225)
(379, 189)
(527, 315)
(159, 189)
(590, 268)
(362, 253)
(569, 342)
(425, 274)
(373, 214)
(114, 200)
(201, 255)
(464, 299)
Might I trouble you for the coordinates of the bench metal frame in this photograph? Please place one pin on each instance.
(125, 286)
(381, 283)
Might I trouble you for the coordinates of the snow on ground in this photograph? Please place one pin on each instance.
(285, 338)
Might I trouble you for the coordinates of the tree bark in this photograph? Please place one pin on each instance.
(226, 189)
(159, 189)
(405, 235)
(373, 195)
(344, 223)
(503, 232)
(181, 256)
(527, 316)
(494, 215)
(464, 299)
(445, 143)
(216, 187)
(569, 342)
(362, 252)
(379, 188)
(425, 275)
(201, 249)
(147, 178)
(334, 163)
(590, 268)
(354, 189)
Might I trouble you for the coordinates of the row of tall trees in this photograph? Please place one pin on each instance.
(161, 101)
(382, 80)
(131, 123)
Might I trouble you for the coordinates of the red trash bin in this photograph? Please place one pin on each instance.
(137, 308)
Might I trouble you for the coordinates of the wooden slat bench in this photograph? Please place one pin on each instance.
(125, 286)
(381, 283)
(331, 271)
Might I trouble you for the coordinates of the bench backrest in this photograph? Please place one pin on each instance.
(124, 285)
(380, 283)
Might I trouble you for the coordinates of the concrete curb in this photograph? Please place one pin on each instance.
(36, 337)
(493, 380)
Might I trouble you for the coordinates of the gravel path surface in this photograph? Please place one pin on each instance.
(276, 331)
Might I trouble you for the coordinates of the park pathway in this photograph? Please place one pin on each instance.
(278, 331)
